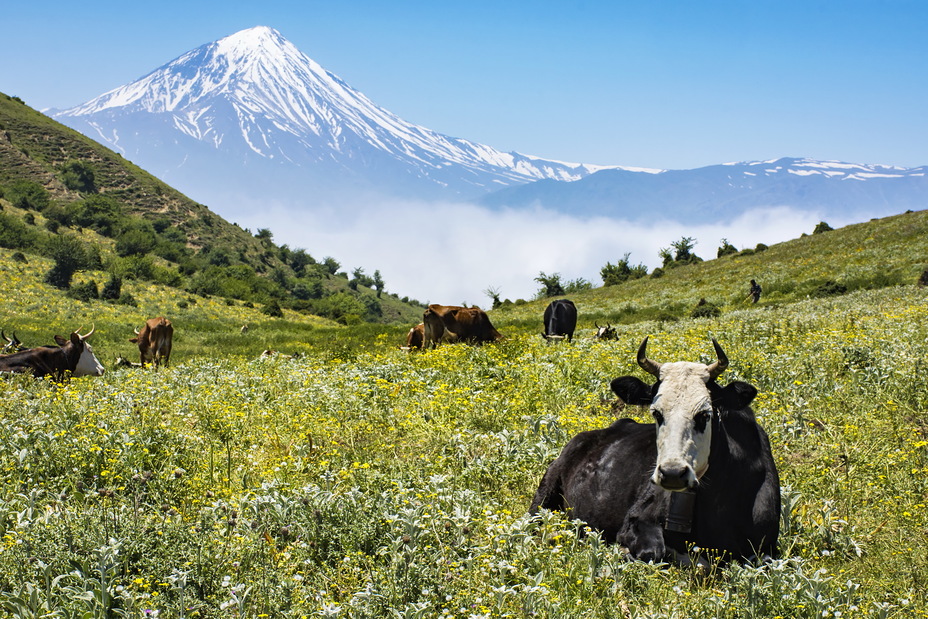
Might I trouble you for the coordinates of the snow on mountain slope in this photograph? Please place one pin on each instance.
(253, 95)
(845, 191)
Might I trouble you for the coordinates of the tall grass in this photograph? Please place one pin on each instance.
(380, 483)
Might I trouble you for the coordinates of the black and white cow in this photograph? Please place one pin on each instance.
(701, 476)
(72, 357)
(560, 320)
(605, 333)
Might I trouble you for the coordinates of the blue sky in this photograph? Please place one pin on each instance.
(662, 84)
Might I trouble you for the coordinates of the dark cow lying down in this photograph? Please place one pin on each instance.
(72, 357)
(702, 475)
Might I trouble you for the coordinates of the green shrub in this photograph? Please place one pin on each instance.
(272, 308)
(112, 289)
(28, 195)
(88, 291)
(77, 176)
(822, 227)
(705, 309)
(829, 289)
(726, 249)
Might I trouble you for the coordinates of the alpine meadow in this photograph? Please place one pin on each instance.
(357, 479)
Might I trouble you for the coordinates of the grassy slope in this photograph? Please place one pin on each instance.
(891, 250)
(33, 146)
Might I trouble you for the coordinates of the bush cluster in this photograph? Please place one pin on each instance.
(158, 251)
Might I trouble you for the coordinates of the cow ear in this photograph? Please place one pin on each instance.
(76, 340)
(60, 340)
(632, 390)
(134, 340)
(735, 395)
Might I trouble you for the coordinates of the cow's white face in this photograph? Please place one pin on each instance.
(682, 409)
(88, 364)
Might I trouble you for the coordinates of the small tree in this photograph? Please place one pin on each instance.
(264, 235)
(299, 260)
(726, 249)
(135, 242)
(621, 271)
(331, 265)
(577, 285)
(551, 285)
(70, 256)
(77, 175)
(822, 227)
(272, 308)
(85, 292)
(112, 289)
(684, 249)
(27, 195)
(493, 293)
(378, 283)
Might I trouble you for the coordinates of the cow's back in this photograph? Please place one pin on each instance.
(600, 475)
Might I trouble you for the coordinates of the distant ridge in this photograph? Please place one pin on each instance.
(834, 189)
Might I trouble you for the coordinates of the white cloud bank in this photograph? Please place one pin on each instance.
(451, 253)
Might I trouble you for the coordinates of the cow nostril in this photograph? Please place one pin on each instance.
(672, 477)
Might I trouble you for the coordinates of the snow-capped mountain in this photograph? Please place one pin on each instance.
(846, 191)
(250, 123)
(253, 114)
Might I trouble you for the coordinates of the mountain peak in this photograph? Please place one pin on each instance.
(261, 41)
(254, 96)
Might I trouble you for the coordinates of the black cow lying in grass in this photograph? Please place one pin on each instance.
(72, 357)
(701, 476)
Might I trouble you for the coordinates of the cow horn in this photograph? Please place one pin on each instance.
(646, 364)
(137, 331)
(719, 366)
(86, 335)
(3, 335)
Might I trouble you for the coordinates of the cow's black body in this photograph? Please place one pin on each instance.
(603, 477)
(560, 319)
(42, 361)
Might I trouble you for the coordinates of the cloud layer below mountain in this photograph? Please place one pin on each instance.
(451, 253)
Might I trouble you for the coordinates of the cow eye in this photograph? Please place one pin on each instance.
(702, 420)
(658, 417)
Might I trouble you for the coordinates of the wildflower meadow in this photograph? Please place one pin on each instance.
(394, 484)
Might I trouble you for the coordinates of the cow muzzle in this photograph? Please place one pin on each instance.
(674, 477)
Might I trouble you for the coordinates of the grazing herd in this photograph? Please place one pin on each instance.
(699, 482)
(74, 356)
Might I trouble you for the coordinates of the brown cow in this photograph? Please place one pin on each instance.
(415, 338)
(72, 357)
(154, 341)
(452, 323)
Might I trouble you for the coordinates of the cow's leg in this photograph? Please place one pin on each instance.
(642, 532)
(550, 493)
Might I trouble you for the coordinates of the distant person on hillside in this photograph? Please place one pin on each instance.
(755, 292)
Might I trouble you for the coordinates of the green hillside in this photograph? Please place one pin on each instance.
(57, 185)
(870, 255)
(359, 480)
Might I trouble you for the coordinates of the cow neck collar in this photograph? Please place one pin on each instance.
(680, 511)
